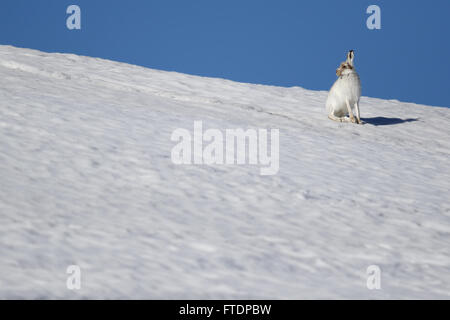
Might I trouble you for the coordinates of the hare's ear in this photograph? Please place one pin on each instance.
(350, 56)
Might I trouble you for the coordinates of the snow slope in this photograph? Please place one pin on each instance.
(87, 179)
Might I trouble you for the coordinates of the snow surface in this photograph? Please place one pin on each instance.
(87, 179)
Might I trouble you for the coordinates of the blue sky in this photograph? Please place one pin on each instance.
(277, 42)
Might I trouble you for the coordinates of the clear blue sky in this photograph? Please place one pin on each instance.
(277, 42)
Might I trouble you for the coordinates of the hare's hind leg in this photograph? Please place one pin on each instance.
(338, 119)
(350, 113)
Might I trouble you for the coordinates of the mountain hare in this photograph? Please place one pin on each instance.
(344, 95)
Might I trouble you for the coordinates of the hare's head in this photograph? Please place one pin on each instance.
(343, 69)
(347, 66)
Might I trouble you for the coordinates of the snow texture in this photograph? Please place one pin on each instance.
(87, 179)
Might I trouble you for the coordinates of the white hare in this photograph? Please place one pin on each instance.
(344, 95)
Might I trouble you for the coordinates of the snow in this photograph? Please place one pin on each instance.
(87, 179)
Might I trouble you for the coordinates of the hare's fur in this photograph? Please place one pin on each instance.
(344, 95)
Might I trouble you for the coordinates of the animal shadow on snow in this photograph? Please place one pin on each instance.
(383, 121)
